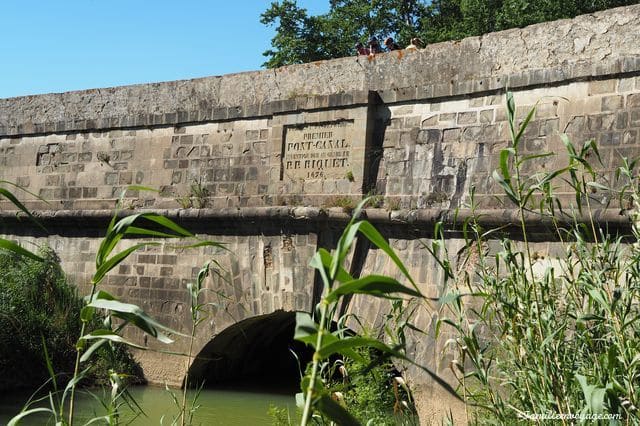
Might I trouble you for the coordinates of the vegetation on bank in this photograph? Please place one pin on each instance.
(551, 338)
(39, 307)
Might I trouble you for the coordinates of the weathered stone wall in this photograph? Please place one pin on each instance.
(434, 151)
(270, 154)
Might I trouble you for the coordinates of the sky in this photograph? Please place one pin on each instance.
(50, 46)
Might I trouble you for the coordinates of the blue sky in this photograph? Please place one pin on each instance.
(61, 45)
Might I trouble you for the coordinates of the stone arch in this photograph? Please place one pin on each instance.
(257, 352)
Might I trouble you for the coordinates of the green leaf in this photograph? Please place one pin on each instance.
(373, 285)
(115, 305)
(134, 230)
(533, 157)
(47, 359)
(141, 188)
(111, 336)
(316, 263)
(108, 265)
(342, 248)
(124, 226)
(523, 127)
(72, 384)
(86, 314)
(347, 345)
(568, 145)
(148, 325)
(335, 412)
(167, 223)
(511, 114)
(18, 249)
(506, 187)
(599, 297)
(597, 186)
(91, 349)
(7, 194)
(552, 336)
(14, 421)
(306, 330)
(504, 163)
(593, 395)
(374, 236)
(325, 259)
(136, 316)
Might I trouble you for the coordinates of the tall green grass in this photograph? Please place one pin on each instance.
(538, 336)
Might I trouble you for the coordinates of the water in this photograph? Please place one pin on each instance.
(217, 407)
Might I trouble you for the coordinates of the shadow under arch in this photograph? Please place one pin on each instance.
(253, 354)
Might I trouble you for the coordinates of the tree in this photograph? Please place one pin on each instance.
(456, 19)
(302, 38)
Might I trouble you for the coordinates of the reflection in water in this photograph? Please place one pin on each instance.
(217, 407)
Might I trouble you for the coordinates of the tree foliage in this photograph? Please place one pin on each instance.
(301, 37)
(39, 307)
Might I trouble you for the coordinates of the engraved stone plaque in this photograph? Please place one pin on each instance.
(320, 151)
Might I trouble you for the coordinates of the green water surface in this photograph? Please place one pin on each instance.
(217, 407)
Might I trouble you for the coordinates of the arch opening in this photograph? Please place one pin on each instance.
(258, 353)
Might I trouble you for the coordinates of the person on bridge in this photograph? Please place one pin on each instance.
(391, 45)
(374, 46)
(416, 44)
(361, 49)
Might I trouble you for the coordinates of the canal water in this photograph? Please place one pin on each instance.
(217, 407)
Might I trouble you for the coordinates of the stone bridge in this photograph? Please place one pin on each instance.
(268, 161)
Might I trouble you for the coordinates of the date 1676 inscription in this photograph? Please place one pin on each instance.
(317, 152)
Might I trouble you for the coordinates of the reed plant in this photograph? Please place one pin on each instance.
(549, 340)
(330, 342)
(148, 229)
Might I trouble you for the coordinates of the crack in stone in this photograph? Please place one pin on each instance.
(275, 81)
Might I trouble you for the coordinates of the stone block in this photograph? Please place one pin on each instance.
(413, 121)
(75, 193)
(125, 178)
(429, 121)
(429, 136)
(612, 103)
(447, 118)
(633, 100)
(89, 192)
(111, 178)
(625, 84)
(630, 137)
(622, 120)
(470, 117)
(472, 133)
(147, 258)
(536, 146)
(410, 137)
(451, 135)
(600, 87)
(486, 116)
